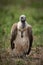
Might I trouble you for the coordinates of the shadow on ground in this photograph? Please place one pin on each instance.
(34, 58)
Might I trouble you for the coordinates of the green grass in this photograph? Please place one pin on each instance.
(10, 15)
(23, 3)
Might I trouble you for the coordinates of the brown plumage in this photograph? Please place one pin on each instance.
(21, 39)
(21, 45)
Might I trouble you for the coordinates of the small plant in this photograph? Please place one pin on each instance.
(20, 62)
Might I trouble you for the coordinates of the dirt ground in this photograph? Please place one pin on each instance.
(34, 58)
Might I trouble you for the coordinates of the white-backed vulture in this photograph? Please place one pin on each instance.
(21, 37)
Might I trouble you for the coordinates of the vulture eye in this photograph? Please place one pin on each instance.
(21, 17)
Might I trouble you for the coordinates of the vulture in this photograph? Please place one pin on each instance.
(21, 37)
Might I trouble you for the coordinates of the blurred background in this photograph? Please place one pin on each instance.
(10, 10)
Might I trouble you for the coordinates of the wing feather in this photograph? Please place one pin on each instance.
(30, 36)
(13, 34)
